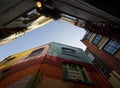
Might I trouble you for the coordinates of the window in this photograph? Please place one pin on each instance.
(70, 52)
(88, 35)
(8, 60)
(36, 52)
(91, 57)
(97, 39)
(4, 72)
(74, 72)
(112, 47)
(104, 72)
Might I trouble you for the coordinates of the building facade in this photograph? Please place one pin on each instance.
(51, 65)
(24, 24)
(105, 55)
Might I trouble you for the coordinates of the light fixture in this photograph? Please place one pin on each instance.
(39, 4)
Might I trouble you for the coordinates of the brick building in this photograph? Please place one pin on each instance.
(105, 55)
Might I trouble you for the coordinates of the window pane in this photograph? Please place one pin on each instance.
(88, 35)
(70, 52)
(36, 52)
(9, 60)
(104, 72)
(74, 72)
(91, 56)
(97, 39)
(112, 47)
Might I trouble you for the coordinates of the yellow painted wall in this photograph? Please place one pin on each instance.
(92, 37)
(102, 41)
(17, 57)
(113, 80)
(22, 55)
(117, 55)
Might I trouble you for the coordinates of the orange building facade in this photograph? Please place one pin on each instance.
(52, 65)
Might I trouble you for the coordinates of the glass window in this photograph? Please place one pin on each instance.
(70, 52)
(36, 52)
(112, 47)
(88, 35)
(97, 39)
(91, 56)
(74, 72)
(104, 72)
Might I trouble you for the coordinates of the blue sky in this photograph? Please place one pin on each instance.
(55, 31)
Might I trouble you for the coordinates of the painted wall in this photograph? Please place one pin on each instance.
(45, 71)
(56, 50)
(114, 79)
(16, 57)
(20, 57)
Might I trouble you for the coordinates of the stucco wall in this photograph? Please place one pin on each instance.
(56, 50)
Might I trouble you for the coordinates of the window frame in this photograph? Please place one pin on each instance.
(70, 52)
(8, 60)
(36, 52)
(81, 73)
(111, 47)
(89, 34)
(104, 72)
(97, 39)
(91, 57)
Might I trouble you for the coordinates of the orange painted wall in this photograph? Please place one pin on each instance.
(51, 69)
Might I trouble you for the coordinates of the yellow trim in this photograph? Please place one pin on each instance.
(102, 41)
(117, 55)
(92, 37)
